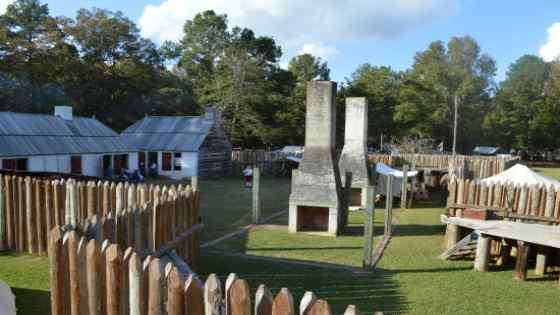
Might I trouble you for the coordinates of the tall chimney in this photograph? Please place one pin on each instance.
(316, 197)
(64, 112)
(354, 154)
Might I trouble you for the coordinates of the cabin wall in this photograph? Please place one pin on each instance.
(189, 165)
(215, 154)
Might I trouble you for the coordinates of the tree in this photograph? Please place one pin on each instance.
(520, 97)
(441, 77)
(380, 85)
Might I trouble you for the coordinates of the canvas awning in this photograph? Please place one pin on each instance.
(520, 174)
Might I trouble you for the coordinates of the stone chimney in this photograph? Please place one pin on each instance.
(354, 155)
(316, 197)
(64, 112)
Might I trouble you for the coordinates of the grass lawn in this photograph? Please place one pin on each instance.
(547, 171)
(409, 278)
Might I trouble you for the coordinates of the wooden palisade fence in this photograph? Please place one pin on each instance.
(535, 202)
(477, 166)
(91, 277)
(146, 216)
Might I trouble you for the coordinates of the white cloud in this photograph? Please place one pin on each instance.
(4, 4)
(299, 25)
(318, 49)
(551, 49)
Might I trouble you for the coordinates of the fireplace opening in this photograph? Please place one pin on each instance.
(356, 197)
(312, 219)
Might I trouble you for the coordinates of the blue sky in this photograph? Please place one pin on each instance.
(376, 31)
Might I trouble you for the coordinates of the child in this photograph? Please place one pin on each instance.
(248, 174)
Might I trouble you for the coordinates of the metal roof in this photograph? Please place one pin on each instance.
(168, 133)
(37, 134)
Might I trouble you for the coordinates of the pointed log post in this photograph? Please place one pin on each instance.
(71, 241)
(212, 295)
(57, 270)
(175, 293)
(283, 303)
(256, 195)
(8, 189)
(412, 186)
(119, 200)
(263, 301)
(368, 227)
(155, 288)
(39, 207)
(91, 199)
(3, 197)
(404, 187)
(521, 263)
(240, 298)
(482, 253)
(307, 301)
(352, 310)
(229, 282)
(135, 283)
(30, 217)
(194, 296)
(320, 307)
(94, 281)
(81, 265)
(113, 261)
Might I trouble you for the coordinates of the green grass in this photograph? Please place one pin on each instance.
(550, 172)
(28, 276)
(226, 204)
(409, 278)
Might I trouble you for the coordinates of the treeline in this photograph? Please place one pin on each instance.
(99, 63)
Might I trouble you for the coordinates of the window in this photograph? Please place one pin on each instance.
(14, 164)
(9, 164)
(142, 161)
(177, 161)
(76, 164)
(166, 161)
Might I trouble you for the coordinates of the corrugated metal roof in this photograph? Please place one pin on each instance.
(36, 134)
(168, 133)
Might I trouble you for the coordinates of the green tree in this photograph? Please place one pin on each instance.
(380, 85)
(520, 98)
(440, 77)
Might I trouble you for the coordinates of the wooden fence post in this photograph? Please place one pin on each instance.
(135, 285)
(9, 206)
(113, 261)
(389, 206)
(368, 227)
(175, 292)
(320, 307)
(229, 282)
(283, 303)
(352, 310)
(40, 217)
(240, 298)
(194, 296)
(57, 270)
(194, 182)
(212, 295)
(307, 301)
(95, 281)
(256, 195)
(521, 263)
(30, 217)
(155, 288)
(263, 301)
(3, 197)
(404, 189)
(71, 241)
(482, 253)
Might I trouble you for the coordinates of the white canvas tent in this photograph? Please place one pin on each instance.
(384, 170)
(520, 174)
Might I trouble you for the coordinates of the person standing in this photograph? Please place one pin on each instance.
(248, 175)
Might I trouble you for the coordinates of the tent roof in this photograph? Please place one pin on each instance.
(520, 174)
(382, 168)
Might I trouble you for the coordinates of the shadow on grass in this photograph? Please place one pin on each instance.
(29, 301)
(377, 291)
(302, 248)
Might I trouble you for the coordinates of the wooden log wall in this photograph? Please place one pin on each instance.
(537, 202)
(92, 277)
(476, 166)
(31, 207)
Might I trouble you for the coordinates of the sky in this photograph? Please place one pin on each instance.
(348, 33)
